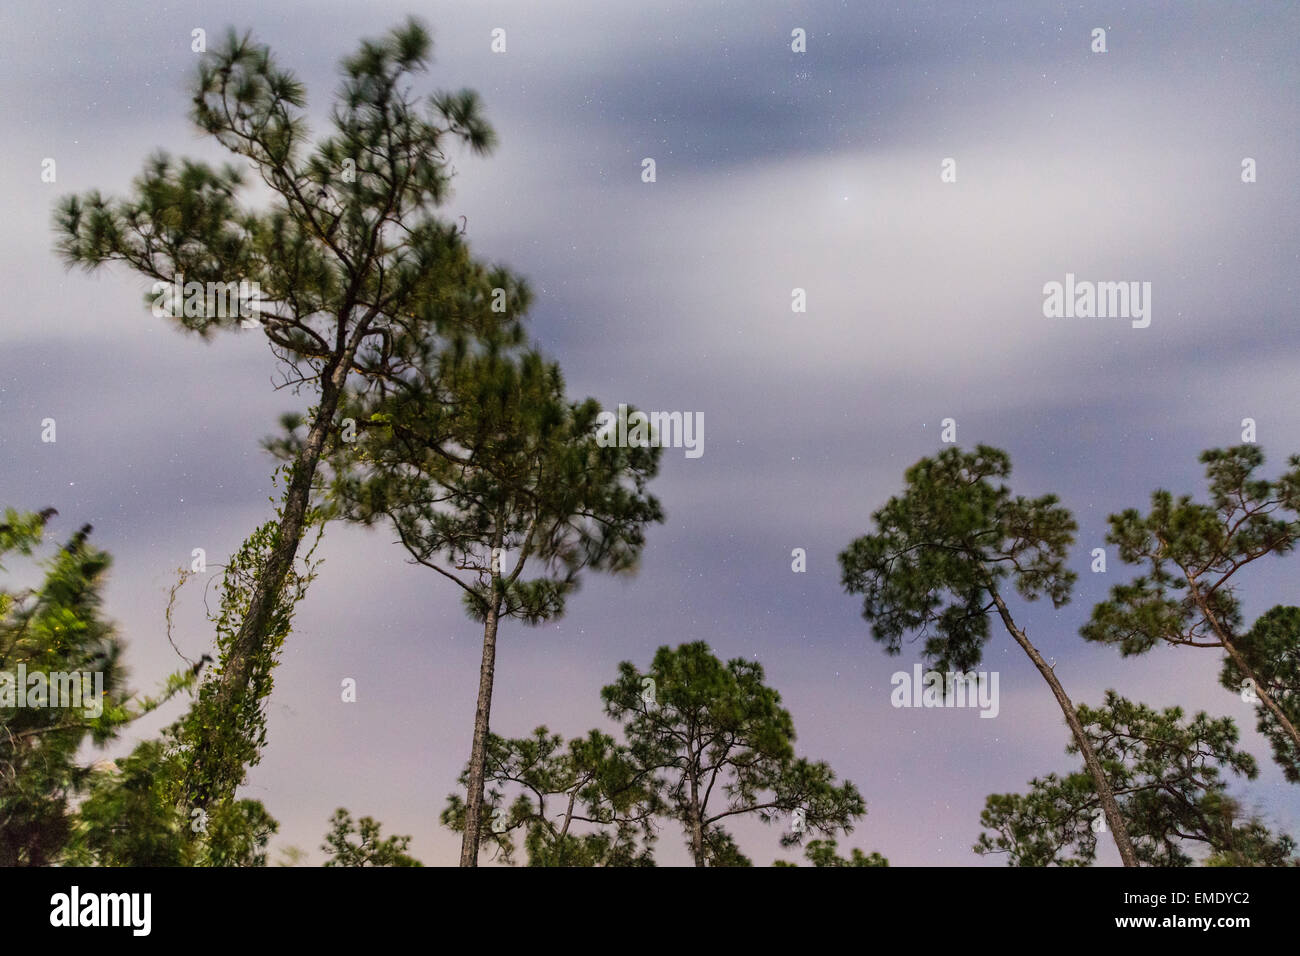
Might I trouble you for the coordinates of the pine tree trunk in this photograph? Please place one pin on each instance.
(1119, 831)
(697, 839)
(235, 674)
(1264, 696)
(697, 818)
(478, 752)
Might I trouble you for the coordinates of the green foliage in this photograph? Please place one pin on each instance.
(359, 287)
(721, 849)
(134, 815)
(237, 834)
(20, 533)
(1037, 828)
(131, 816)
(720, 745)
(490, 463)
(823, 853)
(131, 812)
(943, 547)
(1167, 776)
(584, 803)
(1192, 551)
(291, 856)
(351, 261)
(223, 733)
(937, 563)
(1187, 595)
(56, 626)
(497, 461)
(1272, 651)
(138, 812)
(368, 849)
(177, 792)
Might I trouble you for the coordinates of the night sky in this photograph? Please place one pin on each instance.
(775, 170)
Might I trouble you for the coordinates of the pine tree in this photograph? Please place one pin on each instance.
(488, 474)
(824, 853)
(581, 803)
(356, 278)
(136, 811)
(56, 628)
(1166, 774)
(1188, 593)
(369, 849)
(721, 745)
(938, 563)
(1271, 649)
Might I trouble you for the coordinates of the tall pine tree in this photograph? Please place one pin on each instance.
(940, 559)
(1192, 555)
(357, 278)
(493, 479)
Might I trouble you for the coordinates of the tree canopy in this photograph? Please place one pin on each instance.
(1167, 774)
(939, 561)
(721, 746)
(1188, 594)
(358, 281)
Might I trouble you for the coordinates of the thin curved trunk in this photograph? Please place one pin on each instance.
(1117, 827)
(1240, 661)
(478, 751)
(1264, 695)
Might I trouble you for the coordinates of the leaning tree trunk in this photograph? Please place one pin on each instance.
(478, 751)
(1265, 697)
(1117, 827)
(236, 672)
